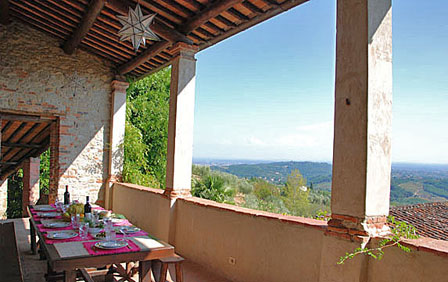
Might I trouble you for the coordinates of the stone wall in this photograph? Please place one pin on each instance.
(36, 76)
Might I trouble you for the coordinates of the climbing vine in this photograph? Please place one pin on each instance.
(399, 230)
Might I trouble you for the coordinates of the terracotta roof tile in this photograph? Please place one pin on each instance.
(430, 219)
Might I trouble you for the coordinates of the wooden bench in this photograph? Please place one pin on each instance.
(10, 266)
(177, 261)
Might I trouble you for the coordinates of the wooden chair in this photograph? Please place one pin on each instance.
(10, 266)
(177, 261)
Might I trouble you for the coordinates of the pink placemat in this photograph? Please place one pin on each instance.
(42, 228)
(33, 211)
(92, 250)
(140, 233)
(77, 238)
(38, 218)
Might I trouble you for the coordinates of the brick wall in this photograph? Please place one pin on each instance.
(36, 76)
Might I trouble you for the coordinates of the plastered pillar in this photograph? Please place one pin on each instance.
(31, 172)
(116, 135)
(363, 114)
(180, 129)
(3, 198)
(3, 184)
(181, 119)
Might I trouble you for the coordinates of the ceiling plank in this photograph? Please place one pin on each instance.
(93, 11)
(158, 27)
(4, 12)
(144, 56)
(211, 11)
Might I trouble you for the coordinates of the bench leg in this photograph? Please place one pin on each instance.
(163, 272)
(33, 239)
(144, 271)
(179, 273)
(70, 276)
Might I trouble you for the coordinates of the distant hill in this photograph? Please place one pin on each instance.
(278, 172)
(411, 183)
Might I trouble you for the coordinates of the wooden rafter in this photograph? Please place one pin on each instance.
(93, 11)
(4, 12)
(153, 50)
(211, 11)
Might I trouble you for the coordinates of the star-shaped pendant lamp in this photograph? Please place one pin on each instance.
(136, 27)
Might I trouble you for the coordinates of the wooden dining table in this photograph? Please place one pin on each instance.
(70, 265)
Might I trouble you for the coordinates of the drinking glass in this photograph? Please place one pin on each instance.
(109, 229)
(83, 230)
(75, 221)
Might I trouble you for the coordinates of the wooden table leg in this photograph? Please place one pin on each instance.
(144, 271)
(70, 276)
(33, 239)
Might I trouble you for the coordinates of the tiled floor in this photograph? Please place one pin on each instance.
(34, 269)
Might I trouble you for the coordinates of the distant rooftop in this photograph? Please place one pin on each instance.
(430, 219)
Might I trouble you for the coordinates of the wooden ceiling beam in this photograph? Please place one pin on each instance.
(26, 118)
(211, 11)
(4, 12)
(150, 52)
(19, 145)
(93, 11)
(169, 34)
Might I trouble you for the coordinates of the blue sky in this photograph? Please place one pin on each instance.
(268, 92)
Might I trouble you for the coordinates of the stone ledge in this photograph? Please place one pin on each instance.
(425, 244)
(141, 188)
(314, 223)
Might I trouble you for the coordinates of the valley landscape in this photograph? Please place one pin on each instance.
(410, 184)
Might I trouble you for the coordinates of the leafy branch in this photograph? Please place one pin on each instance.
(399, 230)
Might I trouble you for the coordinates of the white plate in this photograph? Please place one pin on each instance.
(48, 214)
(116, 220)
(127, 229)
(44, 208)
(57, 224)
(62, 235)
(111, 245)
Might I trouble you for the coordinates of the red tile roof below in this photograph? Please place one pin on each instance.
(430, 219)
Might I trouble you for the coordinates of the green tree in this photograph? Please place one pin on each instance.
(213, 188)
(44, 176)
(145, 143)
(295, 194)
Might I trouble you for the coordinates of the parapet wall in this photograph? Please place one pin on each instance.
(245, 245)
(37, 77)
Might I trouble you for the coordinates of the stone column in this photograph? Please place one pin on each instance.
(3, 198)
(31, 172)
(3, 183)
(55, 172)
(181, 119)
(363, 113)
(116, 135)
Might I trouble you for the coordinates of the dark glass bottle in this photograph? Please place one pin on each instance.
(87, 209)
(66, 196)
